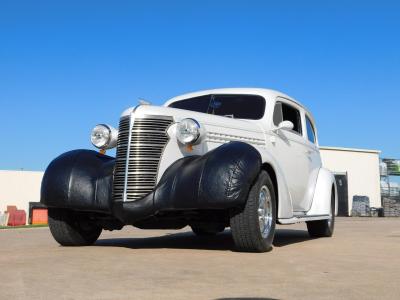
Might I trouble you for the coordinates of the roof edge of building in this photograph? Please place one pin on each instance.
(350, 149)
(21, 171)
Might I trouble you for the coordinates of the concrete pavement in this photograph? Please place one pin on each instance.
(361, 261)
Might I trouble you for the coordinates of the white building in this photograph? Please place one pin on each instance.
(19, 188)
(357, 174)
(356, 171)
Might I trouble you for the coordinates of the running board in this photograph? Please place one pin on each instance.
(305, 218)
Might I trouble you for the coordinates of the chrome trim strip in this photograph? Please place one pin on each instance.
(221, 138)
(156, 117)
(131, 121)
(119, 173)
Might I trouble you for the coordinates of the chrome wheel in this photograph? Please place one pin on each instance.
(265, 211)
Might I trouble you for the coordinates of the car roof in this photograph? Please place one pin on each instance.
(258, 91)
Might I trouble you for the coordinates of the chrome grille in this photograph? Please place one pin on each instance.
(120, 162)
(136, 170)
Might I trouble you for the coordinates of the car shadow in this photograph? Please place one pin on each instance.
(180, 240)
(247, 298)
(187, 240)
(285, 237)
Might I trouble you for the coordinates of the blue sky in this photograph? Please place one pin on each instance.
(66, 66)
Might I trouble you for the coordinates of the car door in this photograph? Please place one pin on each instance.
(289, 149)
(314, 161)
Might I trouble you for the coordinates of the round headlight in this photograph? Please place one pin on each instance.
(104, 136)
(188, 131)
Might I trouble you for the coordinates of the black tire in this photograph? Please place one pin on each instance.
(244, 222)
(202, 231)
(323, 228)
(72, 229)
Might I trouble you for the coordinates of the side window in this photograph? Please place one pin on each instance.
(289, 113)
(310, 131)
(278, 114)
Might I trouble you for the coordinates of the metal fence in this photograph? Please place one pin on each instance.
(392, 192)
(390, 201)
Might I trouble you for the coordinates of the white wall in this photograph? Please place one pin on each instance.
(19, 188)
(362, 167)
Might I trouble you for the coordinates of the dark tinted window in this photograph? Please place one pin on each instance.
(285, 112)
(310, 131)
(238, 106)
(235, 106)
(199, 104)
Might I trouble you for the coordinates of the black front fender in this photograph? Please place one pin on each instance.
(80, 180)
(219, 179)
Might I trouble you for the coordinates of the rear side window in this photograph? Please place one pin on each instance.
(285, 112)
(310, 131)
(249, 107)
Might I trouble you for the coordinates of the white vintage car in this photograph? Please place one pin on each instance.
(242, 158)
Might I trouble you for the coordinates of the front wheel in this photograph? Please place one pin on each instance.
(72, 229)
(253, 227)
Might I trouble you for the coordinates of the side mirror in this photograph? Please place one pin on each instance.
(286, 125)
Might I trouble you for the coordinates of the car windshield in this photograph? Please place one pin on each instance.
(234, 106)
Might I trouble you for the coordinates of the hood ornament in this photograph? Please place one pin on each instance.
(144, 101)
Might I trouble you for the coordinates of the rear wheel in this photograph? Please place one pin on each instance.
(323, 228)
(253, 227)
(72, 229)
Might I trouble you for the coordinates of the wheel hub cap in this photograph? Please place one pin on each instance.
(265, 211)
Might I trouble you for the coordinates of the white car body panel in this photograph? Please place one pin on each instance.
(304, 187)
(323, 193)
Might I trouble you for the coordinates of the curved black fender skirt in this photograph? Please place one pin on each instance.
(220, 179)
(80, 180)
